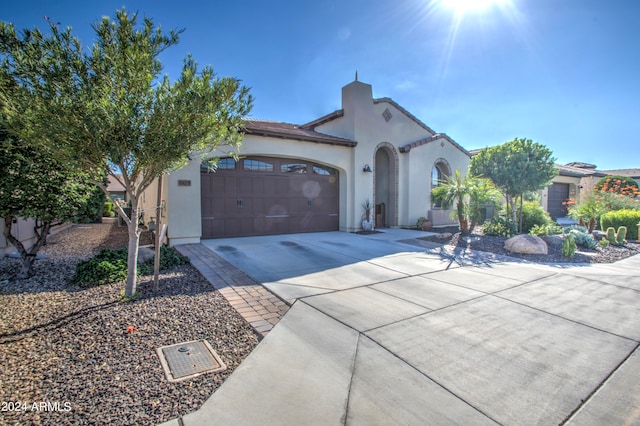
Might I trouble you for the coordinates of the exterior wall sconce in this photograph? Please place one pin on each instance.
(367, 169)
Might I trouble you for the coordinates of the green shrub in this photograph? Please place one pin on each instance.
(617, 218)
(583, 239)
(538, 230)
(604, 243)
(500, 226)
(110, 266)
(613, 201)
(533, 214)
(569, 246)
(548, 229)
(169, 259)
(570, 228)
(107, 209)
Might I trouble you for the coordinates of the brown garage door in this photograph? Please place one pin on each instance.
(264, 195)
(558, 193)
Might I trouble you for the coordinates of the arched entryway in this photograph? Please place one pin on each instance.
(386, 185)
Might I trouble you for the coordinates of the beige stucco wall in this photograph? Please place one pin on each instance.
(362, 122)
(22, 229)
(574, 186)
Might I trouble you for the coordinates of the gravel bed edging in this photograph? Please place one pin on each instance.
(69, 347)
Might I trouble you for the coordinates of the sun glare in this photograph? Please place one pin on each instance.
(463, 6)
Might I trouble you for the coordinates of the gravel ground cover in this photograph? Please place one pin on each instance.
(81, 356)
(495, 245)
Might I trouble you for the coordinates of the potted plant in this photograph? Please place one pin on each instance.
(423, 223)
(367, 218)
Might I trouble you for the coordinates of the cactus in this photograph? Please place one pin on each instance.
(611, 235)
(621, 236)
(569, 246)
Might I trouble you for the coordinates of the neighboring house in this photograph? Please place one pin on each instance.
(316, 176)
(574, 180)
(115, 188)
(22, 230)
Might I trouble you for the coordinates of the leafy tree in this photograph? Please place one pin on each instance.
(109, 108)
(35, 185)
(469, 194)
(516, 168)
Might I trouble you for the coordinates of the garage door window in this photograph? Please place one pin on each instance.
(324, 171)
(299, 168)
(257, 166)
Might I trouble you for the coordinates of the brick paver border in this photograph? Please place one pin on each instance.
(257, 305)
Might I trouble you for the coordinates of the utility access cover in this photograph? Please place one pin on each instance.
(190, 359)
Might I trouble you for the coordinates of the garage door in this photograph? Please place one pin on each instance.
(558, 194)
(264, 195)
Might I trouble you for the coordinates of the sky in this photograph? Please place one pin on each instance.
(564, 73)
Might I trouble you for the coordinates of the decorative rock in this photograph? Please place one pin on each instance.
(598, 235)
(444, 235)
(145, 254)
(526, 244)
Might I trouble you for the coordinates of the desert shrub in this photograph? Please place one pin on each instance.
(569, 246)
(110, 266)
(500, 226)
(612, 201)
(618, 218)
(169, 259)
(107, 210)
(588, 210)
(583, 239)
(548, 229)
(604, 243)
(623, 185)
(533, 214)
(578, 228)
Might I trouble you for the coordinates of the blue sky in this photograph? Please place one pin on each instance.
(565, 73)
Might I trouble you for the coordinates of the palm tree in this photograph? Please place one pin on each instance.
(469, 194)
(454, 189)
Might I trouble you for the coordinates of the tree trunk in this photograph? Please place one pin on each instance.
(462, 220)
(27, 257)
(132, 257)
(521, 211)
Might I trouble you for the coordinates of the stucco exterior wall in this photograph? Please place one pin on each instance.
(374, 125)
(421, 162)
(22, 229)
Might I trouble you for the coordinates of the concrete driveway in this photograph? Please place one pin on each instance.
(389, 332)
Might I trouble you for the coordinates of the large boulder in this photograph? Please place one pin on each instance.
(526, 244)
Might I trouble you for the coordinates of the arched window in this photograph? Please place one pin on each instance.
(439, 173)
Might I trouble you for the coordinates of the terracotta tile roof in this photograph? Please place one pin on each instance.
(324, 119)
(292, 131)
(433, 138)
(570, 170)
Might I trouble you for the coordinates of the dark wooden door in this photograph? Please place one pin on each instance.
(558, 193)
(264, 196)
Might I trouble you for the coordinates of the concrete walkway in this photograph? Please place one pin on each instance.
(389, 332)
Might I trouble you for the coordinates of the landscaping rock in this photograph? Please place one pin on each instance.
(145, 254)
(444, 235)
(526, 244)
(63, 344)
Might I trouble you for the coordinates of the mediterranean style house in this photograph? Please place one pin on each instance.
(315, 176)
